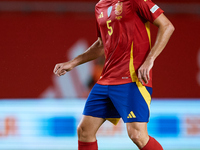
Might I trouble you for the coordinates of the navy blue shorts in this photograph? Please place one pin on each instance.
(130, 101)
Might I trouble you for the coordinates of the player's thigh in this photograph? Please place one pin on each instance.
(89, 125)
(99, 105)
(131, 101)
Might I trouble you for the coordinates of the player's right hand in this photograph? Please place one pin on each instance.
(144, 71)
(62, 68)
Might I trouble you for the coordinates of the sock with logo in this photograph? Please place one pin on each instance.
(87, 145)
(152, 145)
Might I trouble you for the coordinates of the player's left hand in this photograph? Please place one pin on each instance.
(143, 71)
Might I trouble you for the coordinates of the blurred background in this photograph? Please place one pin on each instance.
(40, 111)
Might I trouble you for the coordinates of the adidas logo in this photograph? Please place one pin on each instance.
(131, 115)
(101, 15)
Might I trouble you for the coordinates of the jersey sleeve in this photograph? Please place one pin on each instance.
(147, 9)
(98, 33)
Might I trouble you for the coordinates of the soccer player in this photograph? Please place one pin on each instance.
(125, 86)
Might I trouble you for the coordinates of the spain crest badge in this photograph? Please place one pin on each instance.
(118, 8)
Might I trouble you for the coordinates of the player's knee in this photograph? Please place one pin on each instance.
(82, 132)
(135, 136)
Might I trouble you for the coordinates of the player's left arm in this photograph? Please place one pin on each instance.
(165, 30)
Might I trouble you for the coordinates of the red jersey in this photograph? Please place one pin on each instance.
(125, 32)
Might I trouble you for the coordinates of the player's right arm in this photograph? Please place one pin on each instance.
(93, 52)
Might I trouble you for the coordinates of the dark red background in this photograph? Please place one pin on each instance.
(32, 43)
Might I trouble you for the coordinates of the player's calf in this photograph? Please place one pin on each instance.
(87, 145)
(152, 145)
